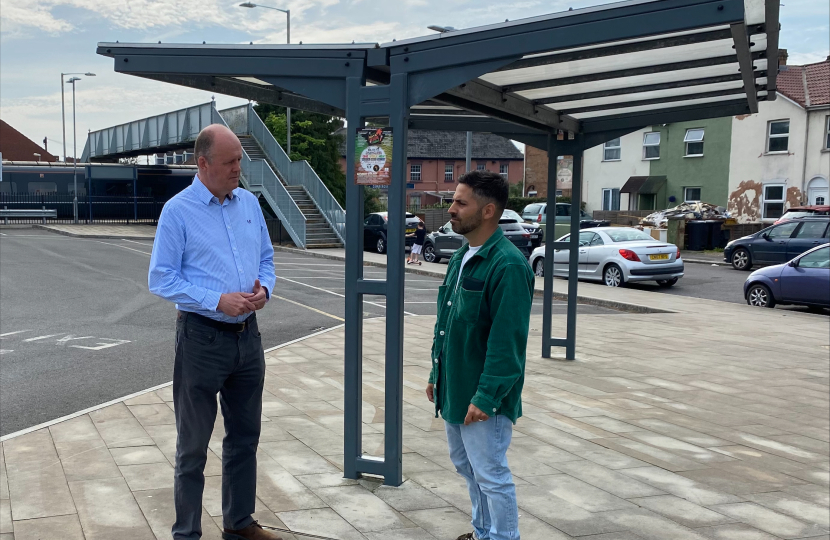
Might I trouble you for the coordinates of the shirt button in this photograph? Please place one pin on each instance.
(449, 303)
(441, 333)
(436, 360)
(494, 410)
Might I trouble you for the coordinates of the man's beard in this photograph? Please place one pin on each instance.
(468, 225)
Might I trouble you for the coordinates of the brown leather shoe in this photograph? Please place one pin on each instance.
(254, 531)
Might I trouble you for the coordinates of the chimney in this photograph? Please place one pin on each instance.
(782, 57)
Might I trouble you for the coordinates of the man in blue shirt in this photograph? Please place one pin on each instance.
(213, 257)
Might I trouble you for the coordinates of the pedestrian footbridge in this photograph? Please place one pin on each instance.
(297, 196)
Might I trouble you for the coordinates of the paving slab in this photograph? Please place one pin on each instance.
(769, 521)
(58, 527)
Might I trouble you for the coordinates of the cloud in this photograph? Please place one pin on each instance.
(17, 17)
(799, 59)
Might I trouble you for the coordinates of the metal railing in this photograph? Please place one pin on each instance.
(91, 209)
(260, 177)
(295, 173)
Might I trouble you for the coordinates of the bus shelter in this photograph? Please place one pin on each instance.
(562, 82)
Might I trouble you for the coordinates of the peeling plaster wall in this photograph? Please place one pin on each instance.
(750, 166)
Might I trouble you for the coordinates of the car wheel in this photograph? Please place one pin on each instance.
(760, 296)
(380, 245)
(613, 276)
(539, 267)
(741, 259)
(429, 254)
(666, 283)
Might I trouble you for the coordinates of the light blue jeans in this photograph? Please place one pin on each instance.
(479, 453)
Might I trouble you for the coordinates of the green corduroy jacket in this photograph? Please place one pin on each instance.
(480, 340)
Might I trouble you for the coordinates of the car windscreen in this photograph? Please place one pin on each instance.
(510, 214)
(511, 226)
(627, 235)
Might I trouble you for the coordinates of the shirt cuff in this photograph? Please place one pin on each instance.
(485, 404)
(211, 300)
(267, 292)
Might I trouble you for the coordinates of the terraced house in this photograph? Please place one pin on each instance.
(755, 165)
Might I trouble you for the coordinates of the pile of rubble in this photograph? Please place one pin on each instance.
(696, 210)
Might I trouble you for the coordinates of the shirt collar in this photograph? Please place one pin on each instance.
(485, 248)
(204, 194)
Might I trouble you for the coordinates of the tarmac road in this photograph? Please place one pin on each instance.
(78, 326)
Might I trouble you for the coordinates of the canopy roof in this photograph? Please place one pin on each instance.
(619, 66)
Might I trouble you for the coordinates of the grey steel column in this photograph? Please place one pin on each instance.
(573, 261)
(393, 435)
(550, 237)
(353, 347)
(469, 154)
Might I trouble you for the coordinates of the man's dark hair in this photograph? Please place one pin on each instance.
(488, 185)
(204, 145)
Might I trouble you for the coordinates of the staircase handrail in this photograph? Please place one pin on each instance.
(259, 173)
(299, 173)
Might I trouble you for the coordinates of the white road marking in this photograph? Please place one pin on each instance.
(102, 345)
(13, 333)
(139, 243)
(69, 337)
(124, 247)
(308, 307)
(39, 338)
(307, 264)
(6, 351)
(340, 295)
(3, 234)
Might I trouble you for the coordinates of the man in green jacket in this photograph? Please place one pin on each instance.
(478, 352)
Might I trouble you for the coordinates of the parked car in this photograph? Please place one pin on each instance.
(616, 256)
(777, 244)
(534, 229)
(804, 211)
(805, 281)
(537, 212)
(374, 230)
(441, 244)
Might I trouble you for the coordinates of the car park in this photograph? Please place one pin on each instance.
(533, 229)
(616, 256)
(777, 244)
(805, 280)
(374, 230)
(441, 244)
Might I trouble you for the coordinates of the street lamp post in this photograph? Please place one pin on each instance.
(63, 114)
(287, 40)
(73, 80)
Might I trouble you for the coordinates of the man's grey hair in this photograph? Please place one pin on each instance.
(204, 144)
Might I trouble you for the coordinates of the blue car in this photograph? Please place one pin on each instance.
(803, 281)
(779, 243)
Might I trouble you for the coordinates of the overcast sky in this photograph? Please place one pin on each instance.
(39, 39)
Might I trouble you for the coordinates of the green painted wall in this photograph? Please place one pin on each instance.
(710, 172)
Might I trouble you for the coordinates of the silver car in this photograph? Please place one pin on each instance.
(616, 256)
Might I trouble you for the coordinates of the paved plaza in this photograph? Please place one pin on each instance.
(709, 422)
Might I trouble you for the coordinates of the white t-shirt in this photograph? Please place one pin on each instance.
(467, 256)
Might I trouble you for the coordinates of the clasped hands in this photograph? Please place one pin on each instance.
(474, 414)
(240, 303)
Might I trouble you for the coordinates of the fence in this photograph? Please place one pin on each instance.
(91, 209)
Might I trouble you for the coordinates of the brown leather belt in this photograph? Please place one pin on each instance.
(219, 325)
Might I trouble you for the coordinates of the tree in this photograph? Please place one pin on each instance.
(313, 140)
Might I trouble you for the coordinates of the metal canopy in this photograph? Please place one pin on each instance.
(562, 82)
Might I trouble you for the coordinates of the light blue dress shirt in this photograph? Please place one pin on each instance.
(204, 248)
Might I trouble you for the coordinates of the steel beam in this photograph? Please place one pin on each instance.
(638, 120)
(737, 92)
(481, 124)
(248, 90)
(771, 11)
(625, 91)
(625, 48)
(547, 294)
(573, 254)
(741, 40)
(623, 73)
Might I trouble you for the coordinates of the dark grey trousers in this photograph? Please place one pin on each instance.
(211, 361)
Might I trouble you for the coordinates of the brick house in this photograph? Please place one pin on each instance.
(436, 159)
(14, 146)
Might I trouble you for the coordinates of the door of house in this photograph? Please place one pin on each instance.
(818, 191)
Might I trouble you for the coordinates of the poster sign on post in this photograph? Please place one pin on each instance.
(373, 157)
(564, 172)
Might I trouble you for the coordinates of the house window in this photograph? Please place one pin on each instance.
(611, 199)
(414, 173)
(778, 136)
(774, 200)
(651, 145)
(448, 172)
(611, 150)
(415, 201)
(558, 192)
(694, 142)
(691, 194)
(503, 171)
(480, 166)
(827, 142)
